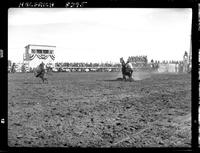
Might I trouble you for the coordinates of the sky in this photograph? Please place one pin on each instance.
(101, 34)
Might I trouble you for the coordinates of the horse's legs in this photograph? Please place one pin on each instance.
(124, 77)
(130, 79)
(131, 76)
(44, 79)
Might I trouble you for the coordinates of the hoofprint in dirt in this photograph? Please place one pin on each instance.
(96, 110)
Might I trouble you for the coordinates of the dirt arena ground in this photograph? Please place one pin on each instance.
(99, 110)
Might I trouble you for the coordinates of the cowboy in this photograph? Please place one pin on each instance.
(129, 66)
(40, 71)
(127, 69)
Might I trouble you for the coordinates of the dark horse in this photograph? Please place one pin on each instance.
(127, 69)
(40, 72)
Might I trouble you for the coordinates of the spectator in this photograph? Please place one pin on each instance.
(13, 68)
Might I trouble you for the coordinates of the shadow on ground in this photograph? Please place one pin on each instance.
(118, 79)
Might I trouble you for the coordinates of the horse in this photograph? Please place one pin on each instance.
(40, 72)
(127, 69)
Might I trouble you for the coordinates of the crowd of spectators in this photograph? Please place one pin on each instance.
(165, 62)
(138, 59)
(169, 62)
(82, 64)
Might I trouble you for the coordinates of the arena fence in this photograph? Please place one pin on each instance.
(145, 67)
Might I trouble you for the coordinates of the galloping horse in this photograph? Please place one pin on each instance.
(127, 69)
(40, 71)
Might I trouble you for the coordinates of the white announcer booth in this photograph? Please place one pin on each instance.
(36, 54)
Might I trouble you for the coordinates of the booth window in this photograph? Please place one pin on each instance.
(46, 51)
(33, 51)
(39, 51)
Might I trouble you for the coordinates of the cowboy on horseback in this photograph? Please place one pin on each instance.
(127, 69)
(40, 71)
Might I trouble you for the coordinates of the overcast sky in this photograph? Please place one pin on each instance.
(101, 34)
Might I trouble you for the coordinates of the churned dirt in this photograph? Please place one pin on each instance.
(99, 110)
